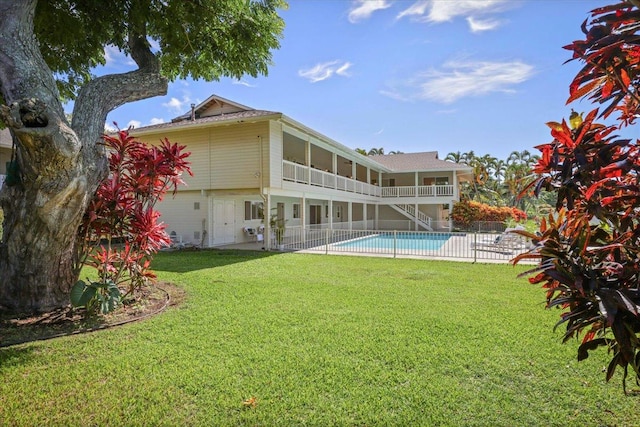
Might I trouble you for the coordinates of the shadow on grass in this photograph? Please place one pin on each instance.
(192, 260)
(14, 356)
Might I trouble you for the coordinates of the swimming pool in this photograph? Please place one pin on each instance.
(401, 241)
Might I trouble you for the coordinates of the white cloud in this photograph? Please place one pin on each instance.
(362, 9)
(438, 11)
(134, 124)
(463, 79)
(156, 121)
(114, 57)
(325, 70)
(243, 83)
(177, 106)
(477, 25)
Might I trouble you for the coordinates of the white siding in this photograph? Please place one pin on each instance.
(180, 216)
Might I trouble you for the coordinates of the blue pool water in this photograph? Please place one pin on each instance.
(406, 241)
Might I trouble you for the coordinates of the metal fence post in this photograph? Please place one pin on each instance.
(475, 245)
(395, 242)
(326, 248)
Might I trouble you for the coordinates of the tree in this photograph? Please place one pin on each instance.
(588, 251)
(47, 52)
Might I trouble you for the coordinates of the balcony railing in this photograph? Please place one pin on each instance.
(305, 175)
(418, 191)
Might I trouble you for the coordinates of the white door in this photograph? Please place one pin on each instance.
(223, 222)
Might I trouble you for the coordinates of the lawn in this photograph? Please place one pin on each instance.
(291, 339)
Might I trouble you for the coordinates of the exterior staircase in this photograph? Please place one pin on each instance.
(410, 212)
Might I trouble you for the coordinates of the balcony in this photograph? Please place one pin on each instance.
(304, 175)
(418, 191)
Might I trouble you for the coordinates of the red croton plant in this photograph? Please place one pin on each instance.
(121, 229)
(589, 249)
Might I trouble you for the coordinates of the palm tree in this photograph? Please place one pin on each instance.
(454, 157)
(376, 152)
(361, 151)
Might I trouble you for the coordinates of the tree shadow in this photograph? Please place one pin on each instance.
(188, 260)
(15, 356)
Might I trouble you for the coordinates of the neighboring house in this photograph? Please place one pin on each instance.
(249, 162)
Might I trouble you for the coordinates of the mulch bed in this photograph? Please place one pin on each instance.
(147, 302)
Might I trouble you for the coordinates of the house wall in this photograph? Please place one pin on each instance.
(274, 155)
(180, 215)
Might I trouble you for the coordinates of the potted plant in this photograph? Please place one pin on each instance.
(277, 226)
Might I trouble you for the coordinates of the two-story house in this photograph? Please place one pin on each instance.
(248, 163)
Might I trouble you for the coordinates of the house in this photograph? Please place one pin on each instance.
(248, 163)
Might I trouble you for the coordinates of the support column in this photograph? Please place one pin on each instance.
(267, 221)
(330, 216)
(364, 216)
(415, 180)
(376, 217)
(303, 218)
(450, 216)
(415, 220)
(350, 215)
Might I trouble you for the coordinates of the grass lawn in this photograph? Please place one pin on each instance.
(320, 341)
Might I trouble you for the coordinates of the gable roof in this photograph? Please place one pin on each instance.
(411, 162)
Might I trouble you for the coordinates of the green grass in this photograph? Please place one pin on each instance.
(320, 341)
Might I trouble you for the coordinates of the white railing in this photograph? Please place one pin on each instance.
(422, 217)
(305, 175)
(2, 178)
(419, 191)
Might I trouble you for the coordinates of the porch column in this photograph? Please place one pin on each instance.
(350, 214)
(364, 216)
(307, 159)
(330, 216)
(303, 218)
(334, 166)
(267, 220)
(450, 216)
(456, 196)
(416, 189)
(376, 216)
(417, 226)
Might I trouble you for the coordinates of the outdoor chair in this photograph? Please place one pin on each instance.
(506, 243)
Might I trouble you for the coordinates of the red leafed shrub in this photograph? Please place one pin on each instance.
(121, 229)
(588, 251)
(467, 212)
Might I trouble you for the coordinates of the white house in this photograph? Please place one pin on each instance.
(249, 162)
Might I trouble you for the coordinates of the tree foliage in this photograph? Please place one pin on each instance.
(198, 39)
(588, 251)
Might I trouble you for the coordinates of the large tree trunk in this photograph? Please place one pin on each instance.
(60, 165)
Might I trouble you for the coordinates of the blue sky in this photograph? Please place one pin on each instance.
(444, 75)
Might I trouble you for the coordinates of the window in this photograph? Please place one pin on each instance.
(388, 182)
(338, 211)
(442, 180)
(196, 206)
(296, 210)
(252, 210)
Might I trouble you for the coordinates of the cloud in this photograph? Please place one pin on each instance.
(177, 106)
(134, 124)
(113, 57)
(362, 9)
(477, 25)
(464, 79)
(438, 11)
(156, 121)
(325, 70)
(242, 83)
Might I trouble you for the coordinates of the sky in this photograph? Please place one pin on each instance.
(406, 75)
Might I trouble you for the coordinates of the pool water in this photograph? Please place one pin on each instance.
(405, 241)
